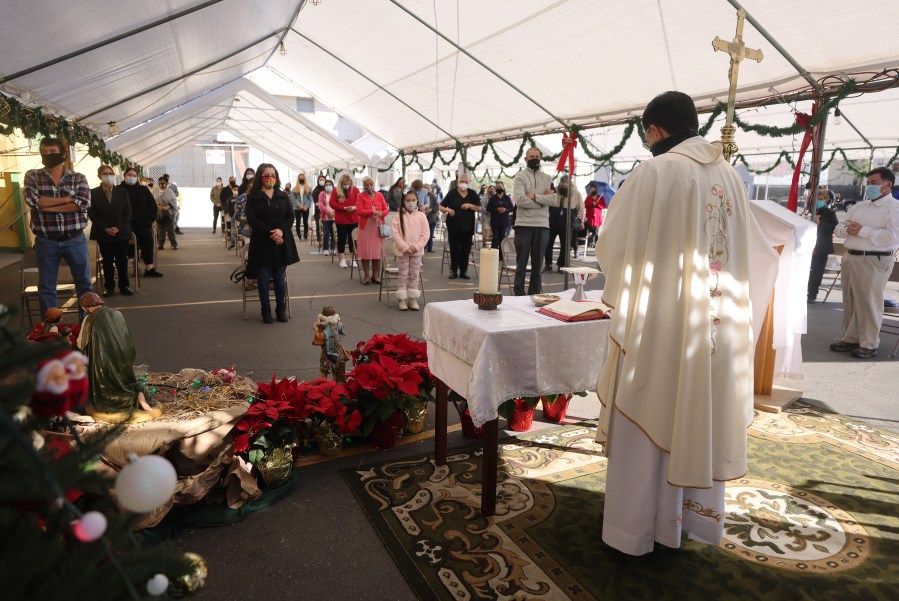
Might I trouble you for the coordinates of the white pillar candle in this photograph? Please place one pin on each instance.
(489, 272)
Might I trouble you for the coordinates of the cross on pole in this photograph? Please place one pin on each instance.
(738, 51)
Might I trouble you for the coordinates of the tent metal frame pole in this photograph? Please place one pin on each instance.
(852, 125)
(479, 62)
(180, 77)
(109, 41)
(771, 40)
(371, 81)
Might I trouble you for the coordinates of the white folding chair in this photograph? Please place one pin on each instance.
(508, 266)
(354, 236)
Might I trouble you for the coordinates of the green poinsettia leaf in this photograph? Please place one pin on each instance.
(581, 393)
(367, 426)
(255, 456)
(385, 411)
(262, 441)
(505, 410)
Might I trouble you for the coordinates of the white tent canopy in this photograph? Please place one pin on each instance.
(250, 113)
(420, 74)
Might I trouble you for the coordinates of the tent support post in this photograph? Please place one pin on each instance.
(817, 160)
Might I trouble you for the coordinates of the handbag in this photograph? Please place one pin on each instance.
(385, 230)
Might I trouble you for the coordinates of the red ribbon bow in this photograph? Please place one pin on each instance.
(569, 143)
(802, 119)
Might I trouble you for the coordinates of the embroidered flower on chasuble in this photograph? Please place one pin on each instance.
(718, 209)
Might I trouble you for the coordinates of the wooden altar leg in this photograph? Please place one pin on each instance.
(440, 424)
(488, 472)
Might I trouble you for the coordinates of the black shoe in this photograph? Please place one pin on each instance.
(547, 269)
(464, 276)
(864, 353)
(158, 248)
(453, 275)
(126, 291)
(108, 292)
(231, 247)
(174, 247)
(152, 273)
(177, 231)
(429, 250)
(213, 231)
(843, 347)
(267, 314)
(281, 314)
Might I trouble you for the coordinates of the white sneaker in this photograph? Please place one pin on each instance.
(343, 263)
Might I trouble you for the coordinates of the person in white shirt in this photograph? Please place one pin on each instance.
(871, 230)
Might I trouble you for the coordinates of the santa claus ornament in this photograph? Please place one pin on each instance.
(50, 397)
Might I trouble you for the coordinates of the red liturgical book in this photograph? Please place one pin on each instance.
(566, 310)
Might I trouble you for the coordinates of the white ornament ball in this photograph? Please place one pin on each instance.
(146, 483)
(157, 585)
(90, 526)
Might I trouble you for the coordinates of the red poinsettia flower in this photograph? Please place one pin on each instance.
(242, 443)
(370, 376)
(349, 423)
(402, 377)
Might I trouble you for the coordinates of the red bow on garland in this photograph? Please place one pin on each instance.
(803, 120)
(569, 143)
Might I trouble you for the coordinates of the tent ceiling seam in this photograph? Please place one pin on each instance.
(180, 77)
(479, 62)
(108, 41)
(370, 80)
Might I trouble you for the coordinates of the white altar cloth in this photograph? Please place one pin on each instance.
(489, 357)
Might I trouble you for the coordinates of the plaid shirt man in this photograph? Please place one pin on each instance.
(52, 225)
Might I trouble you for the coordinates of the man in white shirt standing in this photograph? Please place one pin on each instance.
(871, 230)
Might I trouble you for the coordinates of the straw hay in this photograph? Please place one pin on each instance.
(193, 392)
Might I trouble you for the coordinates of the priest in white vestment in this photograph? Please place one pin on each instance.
(677, 386)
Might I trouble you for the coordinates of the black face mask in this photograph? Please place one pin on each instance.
(232, 183)
(500, 191)
(534, 164)
(52, 159)
(563, 190)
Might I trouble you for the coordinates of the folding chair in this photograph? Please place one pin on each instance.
(389, 270)
(244, 289)
(890, 323)
(833, 269)
(445, 259)
(508, 265)
(28, 273)
(354, 236)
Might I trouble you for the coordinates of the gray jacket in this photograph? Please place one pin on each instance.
(532, 213)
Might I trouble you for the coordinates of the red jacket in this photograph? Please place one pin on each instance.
(365, 206)
(594, 210)
(341, 215)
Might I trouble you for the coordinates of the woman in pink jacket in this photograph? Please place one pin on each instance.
(372, 210)
(410, 233)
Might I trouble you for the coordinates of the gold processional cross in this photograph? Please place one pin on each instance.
(738, 51)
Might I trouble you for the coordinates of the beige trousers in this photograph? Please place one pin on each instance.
(864, 279)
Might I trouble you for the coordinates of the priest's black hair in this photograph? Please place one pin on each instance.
(884, 173)
(672, 111)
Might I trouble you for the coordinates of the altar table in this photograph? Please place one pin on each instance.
(489, 357)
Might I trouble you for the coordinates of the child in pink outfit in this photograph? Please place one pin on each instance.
(410, 233)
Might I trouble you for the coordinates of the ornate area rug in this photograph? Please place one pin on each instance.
(817, 517)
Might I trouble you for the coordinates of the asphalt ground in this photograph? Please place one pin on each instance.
(316, 544)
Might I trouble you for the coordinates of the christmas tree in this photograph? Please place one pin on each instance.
(62, 534)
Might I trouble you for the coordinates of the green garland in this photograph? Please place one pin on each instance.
(34, 122)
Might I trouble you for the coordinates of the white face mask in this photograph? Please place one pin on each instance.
(463, 186)
(345, 186)
(249, 176)
(108, 179)
(410, 206)
(329, 188)
(130, 180)
(321, 182)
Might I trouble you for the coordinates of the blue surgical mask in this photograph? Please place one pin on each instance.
(872, 191)
(821, 204)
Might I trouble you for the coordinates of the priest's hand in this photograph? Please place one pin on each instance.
(853, 228)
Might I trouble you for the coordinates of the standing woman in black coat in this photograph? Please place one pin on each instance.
(827, 221)
(143, 216)
(272, 249)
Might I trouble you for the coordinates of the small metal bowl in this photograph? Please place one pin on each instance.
(541, 300)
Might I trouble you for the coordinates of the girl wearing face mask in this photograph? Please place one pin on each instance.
(500, 208)
(827, 222)
(143, 216)
(316, 211)
(327, 217)
(343, 203)
(247, 181)
(460, 205)
(371, 209)
(411, 232)
(272, 248)
(301, 199)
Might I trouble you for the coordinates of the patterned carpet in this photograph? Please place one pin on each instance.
(815, 518)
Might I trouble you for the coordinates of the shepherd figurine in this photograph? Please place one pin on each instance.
(327, 331)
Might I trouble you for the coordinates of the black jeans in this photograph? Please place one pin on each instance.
(345, 236)
(460, 251)
(560, 234)
(144, 234)
(114, 253)
(302, 221)
(816, 274)
(215, 217)
(529, 242)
